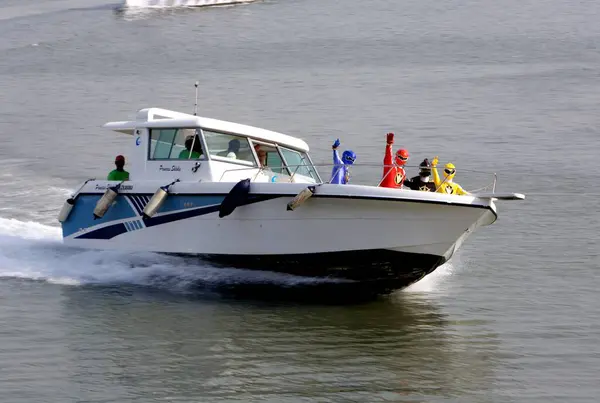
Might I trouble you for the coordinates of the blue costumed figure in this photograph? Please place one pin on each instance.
(340, 174)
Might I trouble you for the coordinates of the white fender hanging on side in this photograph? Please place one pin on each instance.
(300, 198)
(157, 200)
(66, 209)
(155, 203)
(105, 202)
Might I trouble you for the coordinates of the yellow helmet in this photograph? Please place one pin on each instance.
(449, 170)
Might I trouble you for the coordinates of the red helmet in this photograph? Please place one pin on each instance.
(401, 156)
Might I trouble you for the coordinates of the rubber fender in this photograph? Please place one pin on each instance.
(155, 203)
(237, 196)
(300, 198)
(66, 210)
(105, 202)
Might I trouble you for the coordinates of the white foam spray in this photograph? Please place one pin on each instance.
(35, 251)
(434, 281)
(180, 3)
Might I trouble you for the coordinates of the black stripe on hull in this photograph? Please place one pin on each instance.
(371, 273)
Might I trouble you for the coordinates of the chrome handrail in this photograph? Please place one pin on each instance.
(296, 167)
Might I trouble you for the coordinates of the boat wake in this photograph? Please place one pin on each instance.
(137, 9)
(433, 281)
(180, 3)
(33, 251)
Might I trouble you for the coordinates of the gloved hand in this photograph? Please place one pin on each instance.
(336, 144)
(435, 161)
(390, 138)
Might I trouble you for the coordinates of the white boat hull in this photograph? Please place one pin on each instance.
(354, 232)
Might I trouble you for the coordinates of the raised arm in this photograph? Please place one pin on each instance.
(336, 156)
(387, 157)
(337, 173)
(436, 177)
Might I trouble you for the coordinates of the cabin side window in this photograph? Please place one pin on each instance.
(172, 144)
(228, 146)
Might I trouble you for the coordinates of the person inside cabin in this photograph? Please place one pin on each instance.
(193, 149)
(233, 148)
(393, 170)
(262, 158)
(340, 173)
(422, 181)
(447, 185)
(119, 174)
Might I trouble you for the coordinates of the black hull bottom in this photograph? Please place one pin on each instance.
(356, 275)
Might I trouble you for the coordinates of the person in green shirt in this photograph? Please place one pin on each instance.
(119, 174)
(196, 152)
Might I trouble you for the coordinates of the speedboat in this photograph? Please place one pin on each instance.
(181, 3)
(197, 187)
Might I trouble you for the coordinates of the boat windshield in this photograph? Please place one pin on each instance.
(299, 163)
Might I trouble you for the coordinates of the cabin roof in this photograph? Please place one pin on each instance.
(164, 118)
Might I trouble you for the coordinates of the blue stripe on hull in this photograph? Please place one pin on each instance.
(82, 214)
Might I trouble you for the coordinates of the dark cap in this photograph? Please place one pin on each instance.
(119, 158)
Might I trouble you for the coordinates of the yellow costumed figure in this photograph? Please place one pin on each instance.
(447, 185)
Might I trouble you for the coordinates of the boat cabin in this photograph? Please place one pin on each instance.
(173, 145)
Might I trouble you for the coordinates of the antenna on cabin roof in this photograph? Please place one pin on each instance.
(196, 102)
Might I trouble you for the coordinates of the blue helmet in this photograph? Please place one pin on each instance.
(348, 157)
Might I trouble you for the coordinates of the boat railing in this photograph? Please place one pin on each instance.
(362, 174)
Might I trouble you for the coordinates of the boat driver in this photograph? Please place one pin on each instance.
(340, 173)
(393, 172)
(447, 185)
(188, 153)
(422, 181)
(118, 174)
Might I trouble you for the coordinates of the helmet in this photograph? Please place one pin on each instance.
(401, 156)
(348, 157)
(449, 170)
(425, 168)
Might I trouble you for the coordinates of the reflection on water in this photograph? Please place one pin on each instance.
(399, 348)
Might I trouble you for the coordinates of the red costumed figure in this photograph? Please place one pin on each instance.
(393, 173)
